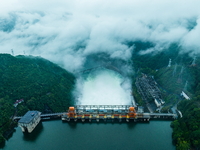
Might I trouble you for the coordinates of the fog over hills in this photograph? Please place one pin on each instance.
(66, 32)
(125, 40)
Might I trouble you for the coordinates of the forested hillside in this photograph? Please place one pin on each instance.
(186, 130)
(172, 80)
(42, 86)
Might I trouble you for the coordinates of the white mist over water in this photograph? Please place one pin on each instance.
(104, 87)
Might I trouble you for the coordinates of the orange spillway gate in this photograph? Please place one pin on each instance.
(111, 112)
(71, 112)
(132, 112)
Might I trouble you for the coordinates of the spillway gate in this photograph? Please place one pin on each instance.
(112, 112)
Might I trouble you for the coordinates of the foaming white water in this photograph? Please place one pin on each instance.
(103, 88)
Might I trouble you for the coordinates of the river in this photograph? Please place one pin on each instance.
(58, 135)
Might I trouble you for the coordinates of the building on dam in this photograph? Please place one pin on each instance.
(29, 121)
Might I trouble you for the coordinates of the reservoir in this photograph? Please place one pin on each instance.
(58, 135)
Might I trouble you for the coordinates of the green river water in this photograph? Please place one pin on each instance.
(57, 135)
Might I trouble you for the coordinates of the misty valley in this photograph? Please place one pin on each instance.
(100, 75)
(42, 85)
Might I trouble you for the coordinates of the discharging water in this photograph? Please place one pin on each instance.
(104, 87)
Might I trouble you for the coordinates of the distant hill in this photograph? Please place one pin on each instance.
(177, 78)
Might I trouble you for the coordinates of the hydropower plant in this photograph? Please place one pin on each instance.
(110, 102)
(93, 113)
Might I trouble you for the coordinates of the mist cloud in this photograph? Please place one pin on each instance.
(104, 87)
(66, 32)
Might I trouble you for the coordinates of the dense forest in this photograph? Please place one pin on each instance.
(40, 84)
(186, 130)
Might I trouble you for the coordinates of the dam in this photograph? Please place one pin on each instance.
(111, 113)
(93, 113)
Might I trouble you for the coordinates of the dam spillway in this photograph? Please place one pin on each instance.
(111, 113)
(103, 87)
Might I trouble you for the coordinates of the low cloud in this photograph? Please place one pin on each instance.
(66, 32)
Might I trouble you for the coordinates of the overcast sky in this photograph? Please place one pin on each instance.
(66, 31)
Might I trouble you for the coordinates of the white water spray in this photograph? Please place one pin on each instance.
(104, 87)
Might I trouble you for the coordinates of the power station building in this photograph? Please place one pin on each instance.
(29, 121)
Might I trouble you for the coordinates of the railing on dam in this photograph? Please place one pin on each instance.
(45, 116)
(101, 108)
(161, 115)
